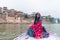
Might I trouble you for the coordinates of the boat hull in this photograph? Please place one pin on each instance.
(24, 36)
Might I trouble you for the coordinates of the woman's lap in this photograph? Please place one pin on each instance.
(31, 33)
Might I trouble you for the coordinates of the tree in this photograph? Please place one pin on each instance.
(26, 16)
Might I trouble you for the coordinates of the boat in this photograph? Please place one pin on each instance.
(24, 36)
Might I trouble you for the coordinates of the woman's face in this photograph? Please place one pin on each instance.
(38, 15)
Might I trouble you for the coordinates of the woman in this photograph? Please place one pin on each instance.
(37, 30)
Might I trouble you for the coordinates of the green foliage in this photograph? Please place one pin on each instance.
(26, 16)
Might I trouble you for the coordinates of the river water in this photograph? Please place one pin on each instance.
(11, 31)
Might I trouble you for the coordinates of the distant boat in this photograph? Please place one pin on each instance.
(24, 36)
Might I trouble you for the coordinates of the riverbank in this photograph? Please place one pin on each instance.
(11, 20)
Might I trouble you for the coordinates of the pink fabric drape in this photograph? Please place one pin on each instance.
(37, 29)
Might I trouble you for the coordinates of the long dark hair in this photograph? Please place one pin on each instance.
(37, 18)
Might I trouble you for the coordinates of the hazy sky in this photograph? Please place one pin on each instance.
(45, 7)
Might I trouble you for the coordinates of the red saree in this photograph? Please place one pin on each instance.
(37, 29)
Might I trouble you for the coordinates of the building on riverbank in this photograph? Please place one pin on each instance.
(9, 15)
(0, 12)
(14, 16)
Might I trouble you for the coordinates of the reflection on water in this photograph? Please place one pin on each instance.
(10, 31)
(54, 28)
